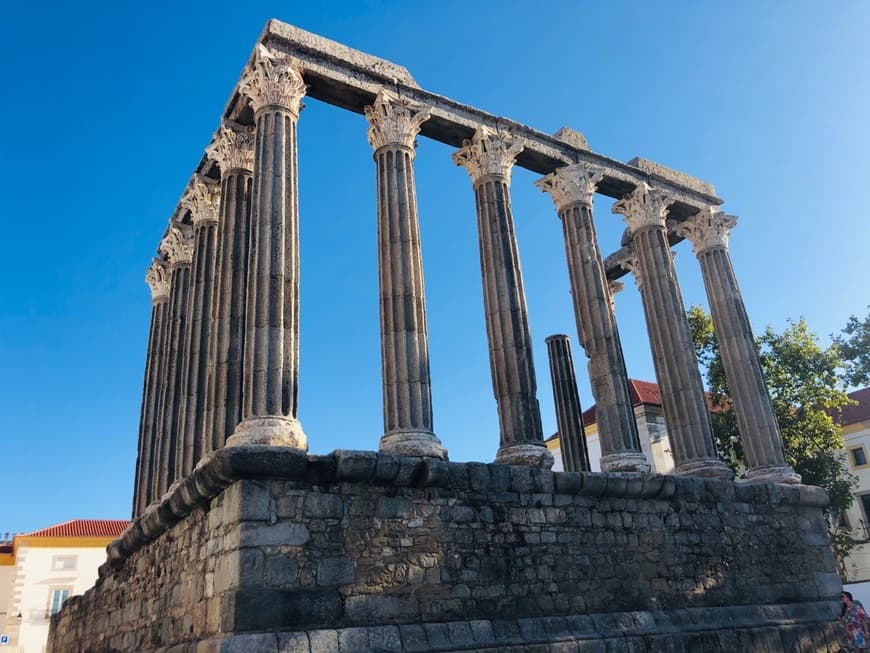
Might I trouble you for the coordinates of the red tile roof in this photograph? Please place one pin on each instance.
(643, 393)
(855, 413)
(84, 528)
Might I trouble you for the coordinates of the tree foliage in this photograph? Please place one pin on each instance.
(854, 345)
(805, 384)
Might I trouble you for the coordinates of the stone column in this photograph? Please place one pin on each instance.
(569, 414)
(177, 246)
(762, 443)
(572, 189)
(157, 278)
(488, 157)
(201, 199)
(393, 125)
(683, 400)
(270, 372)
(233, 151)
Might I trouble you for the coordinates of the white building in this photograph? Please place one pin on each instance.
(855, 422)
(39, 571)
(650, 417)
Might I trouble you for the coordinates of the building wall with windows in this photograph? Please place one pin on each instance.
(47, 567)
(855, 422)
(650, 418)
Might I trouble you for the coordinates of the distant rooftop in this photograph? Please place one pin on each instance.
(857, 412)
(83, 528)
(643, 393)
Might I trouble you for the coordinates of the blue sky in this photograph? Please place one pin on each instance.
(108, 107)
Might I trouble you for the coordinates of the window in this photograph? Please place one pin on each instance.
(859, 456)
(59, 596)
(61, 563)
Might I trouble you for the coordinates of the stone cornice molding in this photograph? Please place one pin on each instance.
(233, 148)
(157, 277)
(394, 120)
(273, 80)
(177, 245)
(574, 184)
(644, 207)
(707, 229)
(202, 199)
(488, 153)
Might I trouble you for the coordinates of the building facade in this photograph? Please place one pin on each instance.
(39, 571)
(646, 403)
(855, 422)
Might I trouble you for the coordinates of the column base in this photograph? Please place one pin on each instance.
(625, 462)
(705, 468)
(531, 455)
(413, 444)
(783, 474)
(270, 431)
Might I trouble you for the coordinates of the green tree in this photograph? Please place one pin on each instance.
(805, 384)
(854, 344)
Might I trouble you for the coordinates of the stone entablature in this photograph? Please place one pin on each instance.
(270, 539)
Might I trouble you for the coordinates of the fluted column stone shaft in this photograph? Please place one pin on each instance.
(686, 413)
(178, 246)
(202, 202)
(569, 414)
(234, 153)
(407, 394)
(157, 278)
(572, 189)
(762, 442)
(489, 157)
(270, 369)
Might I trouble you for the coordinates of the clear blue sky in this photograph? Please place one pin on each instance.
(107, 108)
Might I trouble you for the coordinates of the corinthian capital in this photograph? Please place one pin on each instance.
(273, 80)
(394, 120)
(157, 278)
(574, 184)
(233, 148)
(488, 153)
(177, 245)
(644, 207)
(202, 199)
(707, 229)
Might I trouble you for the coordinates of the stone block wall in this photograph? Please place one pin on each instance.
(285, 549)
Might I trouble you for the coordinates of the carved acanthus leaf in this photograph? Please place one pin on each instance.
(488, 153)
(157, 277)
(177, 245)
(202, 199)
(394, 120)
(233, 148)
(614, 287)
(644, 207)
(571, 185)
(273, 80)
(707, 229)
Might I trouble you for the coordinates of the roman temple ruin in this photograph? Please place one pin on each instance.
(242, 541)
